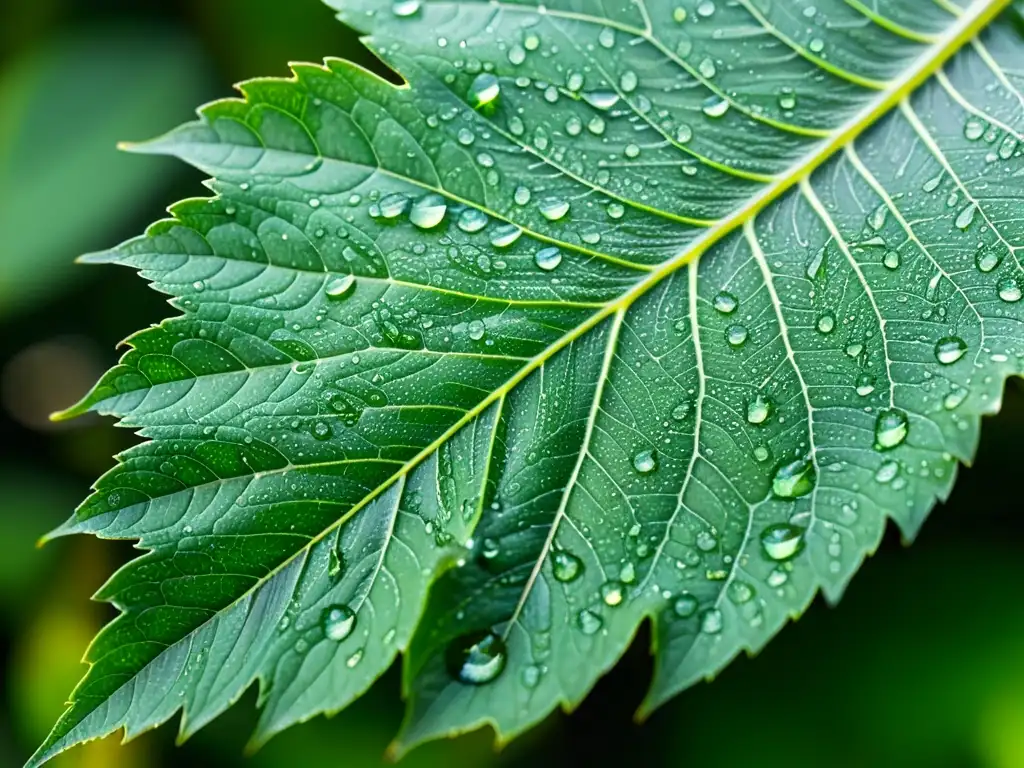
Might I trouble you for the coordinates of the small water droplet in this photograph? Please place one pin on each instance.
(876, 219)
(477, 658)
(891, 428)
(321, 430)
(628, 82)
(338, 622)
(405, 8)
(707, 67)
(950, 349)
(794, 479)
(477, 330)
(827, 323)
(887, 472)
(1009, 289)
(891, 260)
(603, 100)
(865, 384)
(782, 541)
(504, 235)
(787, 98)
(966, 216)
(392, 206)
(988, 260)
(645, 462)
(715, 106)
(472, 220)
(606, 37)
(706, 8)
(974, 129)
(612, 593)
(711, 622)
(684, 133)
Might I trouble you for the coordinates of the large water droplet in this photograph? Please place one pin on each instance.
(1009, 289)
(782, 541)
(553, 208)
(715, 106)
(603, 100)
(589, 622)
(794, 479)
(338, 622)
(725, 303)
(612, 593)
(392, 206)
(645, 462)
(548, 259)
(685, 605)
(758, 410)
(566, 566)
(484, 90)
(504, 235)
(736, 335)
(405, 8)
(340, 288)
(428, 211)
(950, 349)
(891, 428)
(477, 658)
(472, 220)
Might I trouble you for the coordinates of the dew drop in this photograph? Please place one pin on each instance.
(405, 8)
(628, 82)
(707, 68)
(865, 384)
(338, 622)
(891, 428)
(782, 541)
(553, 208)
(606, 37)
(950, 349)
(827, 323)
(428, 211)
(711, 622)
(603, 100)
(645, 462)
(725, 303)
(684, 133)
(522, 195)
(974, 129)
(987, 260)
(876, 219)
(612, 593)
(484, 90)
(472, 220)
(891, 260)
(706, 9)
(887, 472)
(758, 410)
(392, 206)
(505, 235)
(966, 216)
(715, 106)
(1009, 289)
(477, 330)
(685, 605)
(477, 658)
(736, 335)
(548, 259)
(566, 566)
(340, 288)
(589, 622)
(794, 479)
(787, 98)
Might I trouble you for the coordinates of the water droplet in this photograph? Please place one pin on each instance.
(736, 335)
(933, 183)
(531, 676)
(392, 206)
(428, 211)
(548, 259)
(711, 622)
(725, 303)
(891, 260)
(814, 265)
(988, 260)
(321, 431)
(628, 82)
(758, 410)
(603, 100)
(685, 605)
(589, 622)
(477, 658)
(404, 8)
(338, 622)
(740, 592)
(827, 322)
(865, 384)
(645, 462)
(974, 129)
(477, 330)
(553, 208)
(794, 479)
(606, 37)
(1009, 289)
(787, 98)
(887, 472)
(891, 428)
(616, 210)
(950, 349)
(876, 220)
(521, 195)
(715, 106)
(707, 68)
(966, 216)
(472, 220)
(684, 133)
(484, 90)
(953, 400)
(817, 45)
(340, 288)
(782, 541)
(566, 566)
(706, 9)
(504, 235)
(681, 411)
(612, 593)
(706, 542)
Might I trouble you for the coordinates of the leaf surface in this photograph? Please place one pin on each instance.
(614, 311)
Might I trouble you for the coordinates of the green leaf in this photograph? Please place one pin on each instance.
(615, 311)
(58, 137)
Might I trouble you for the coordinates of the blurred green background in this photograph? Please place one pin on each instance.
(921, 665)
